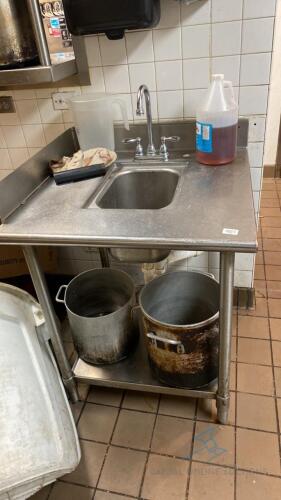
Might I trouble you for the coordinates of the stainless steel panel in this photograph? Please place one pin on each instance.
(20, 184)
(134, 373)
(209, 202)
(17, 45)
(38, 74)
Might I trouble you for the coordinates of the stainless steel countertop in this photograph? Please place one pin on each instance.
(210, 200)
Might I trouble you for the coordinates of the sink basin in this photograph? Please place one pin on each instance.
(140, 189)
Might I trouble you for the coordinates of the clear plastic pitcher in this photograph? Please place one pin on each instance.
(216, 124)
(94, 121)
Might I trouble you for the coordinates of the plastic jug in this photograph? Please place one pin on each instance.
(94, 122)
(216, 124)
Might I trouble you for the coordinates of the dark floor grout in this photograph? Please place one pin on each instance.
(275, 393)
(150, 444)
(110, 440)
(191, 452)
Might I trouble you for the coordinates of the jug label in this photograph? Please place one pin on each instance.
(204, 137)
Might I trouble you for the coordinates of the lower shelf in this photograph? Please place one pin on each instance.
(134, 373)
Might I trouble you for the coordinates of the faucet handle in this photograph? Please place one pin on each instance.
(163, 148)
(135, 140)
(172, 138)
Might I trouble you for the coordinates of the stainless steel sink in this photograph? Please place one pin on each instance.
(138, 186)
(140, 190)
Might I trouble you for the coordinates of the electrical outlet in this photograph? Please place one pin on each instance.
(7, 104)
(60, 99)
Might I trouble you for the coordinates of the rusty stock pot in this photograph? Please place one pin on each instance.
(180, 314)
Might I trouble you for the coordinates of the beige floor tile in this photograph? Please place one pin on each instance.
(165, 478)
(272, 245)
(42, 494)
(233, 349)
(250, 486)
(279, 412)
(259, 272)
(207, 410)
(105, 396)
(253, 327)
(234, 323)
(254, 351)
(260, 288)
(255, 379)
(88, 470)
(123, 471)
(232, 381)
(269, 194)
(271, 222)
(269, 202)
(274, 306)
(105, 495)
(260, 309)
(134, 429)
(277, 375)
(211, 482)
(272, 258)
(97, 422)
(259, 257)
(177, 406)
(257, 451)
(270, 212)
(63, 491)
(274, 289)
(271, 232)
(276, 348)
(268, 184)
(172, 436)
(83, 390)
(275, 328)
(256, 412)
(143, 401)
(214, 444)
(273, 273)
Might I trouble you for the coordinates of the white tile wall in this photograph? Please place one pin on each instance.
(175, 60)
(226, 10)
(259, 8)
(257, 35)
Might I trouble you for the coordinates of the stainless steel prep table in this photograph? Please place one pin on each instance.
(213, 211)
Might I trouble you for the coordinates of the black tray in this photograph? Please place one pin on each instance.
(79, 174)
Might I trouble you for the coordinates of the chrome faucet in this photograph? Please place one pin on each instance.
(143, 92)
(151, 153)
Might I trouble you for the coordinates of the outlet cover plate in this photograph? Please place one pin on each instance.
(7, 104)
(60, 99)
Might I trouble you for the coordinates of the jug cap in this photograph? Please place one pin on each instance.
(218, 76)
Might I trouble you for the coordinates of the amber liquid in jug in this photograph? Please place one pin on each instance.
(217, 123)
(224, 147)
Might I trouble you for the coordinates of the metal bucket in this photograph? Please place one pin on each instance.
(180, 314)
(99, 308)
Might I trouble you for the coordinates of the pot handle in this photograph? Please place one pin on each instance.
(133, 309)
(180, 348)
(152, 336)
(61, 301)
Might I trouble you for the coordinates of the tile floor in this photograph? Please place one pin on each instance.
(149, 447)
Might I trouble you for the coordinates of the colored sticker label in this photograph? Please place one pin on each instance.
(204, 137)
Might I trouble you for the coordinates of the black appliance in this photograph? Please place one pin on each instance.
(112, 17)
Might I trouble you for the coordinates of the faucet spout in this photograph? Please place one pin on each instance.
(143, 93)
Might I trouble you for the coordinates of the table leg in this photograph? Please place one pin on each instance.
(52, 323)
(226, 305)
